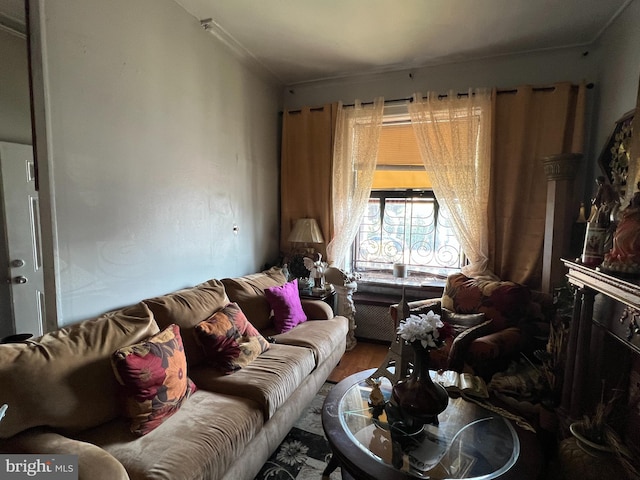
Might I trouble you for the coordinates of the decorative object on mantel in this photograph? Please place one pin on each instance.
(624, 257)
(418, 398)
(306, 231)
(345, 285)
(615, 157)
(603, 205)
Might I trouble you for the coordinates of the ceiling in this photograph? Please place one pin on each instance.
(306, 40)
(299, 41)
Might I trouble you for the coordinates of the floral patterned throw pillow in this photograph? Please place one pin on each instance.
(229, 340)
(153, 374)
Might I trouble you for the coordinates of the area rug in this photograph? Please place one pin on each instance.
(304, 453)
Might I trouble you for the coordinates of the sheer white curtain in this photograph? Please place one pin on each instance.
(454, 138)
(354, 161)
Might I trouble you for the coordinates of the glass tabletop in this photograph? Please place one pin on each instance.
(468, 441)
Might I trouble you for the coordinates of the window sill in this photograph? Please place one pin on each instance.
(387, 279)
(416, 287)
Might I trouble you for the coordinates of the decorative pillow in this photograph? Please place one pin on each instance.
(244, 326)
(248, 292)
(154, 376)
(461, 321)
(186, 308)
(229, 341)
(287, 309)
(504, 302)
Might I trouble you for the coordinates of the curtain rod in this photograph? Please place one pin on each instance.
(465, 94)
(462, 94)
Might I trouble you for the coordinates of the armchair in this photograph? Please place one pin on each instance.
(492, 322)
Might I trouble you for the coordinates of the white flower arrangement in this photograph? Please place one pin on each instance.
(423, 328)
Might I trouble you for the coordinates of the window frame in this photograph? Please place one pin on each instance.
(409, 193)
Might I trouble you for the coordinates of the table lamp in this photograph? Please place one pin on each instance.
(306, 231)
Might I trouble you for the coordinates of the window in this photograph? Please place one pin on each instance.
(403, 222)
(407, 227)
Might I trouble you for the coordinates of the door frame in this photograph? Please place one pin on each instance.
(40, 122)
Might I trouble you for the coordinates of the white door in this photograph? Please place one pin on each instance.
(22, 220)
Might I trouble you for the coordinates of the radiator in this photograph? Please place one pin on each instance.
(373, 322)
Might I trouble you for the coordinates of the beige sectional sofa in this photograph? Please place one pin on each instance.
(63, 396)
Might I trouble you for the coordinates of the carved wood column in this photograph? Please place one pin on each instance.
(561, 171)
(572, 345)
(581, 365)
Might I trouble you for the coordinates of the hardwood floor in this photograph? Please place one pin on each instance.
(365, 355)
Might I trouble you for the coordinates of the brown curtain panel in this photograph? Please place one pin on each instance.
(529, 123)
(305, 179)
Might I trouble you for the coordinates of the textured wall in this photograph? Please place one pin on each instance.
(161, 142)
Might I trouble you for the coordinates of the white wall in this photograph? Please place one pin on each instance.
(618, 55)
(160, 141)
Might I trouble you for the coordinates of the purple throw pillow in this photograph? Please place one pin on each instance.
(287, 309)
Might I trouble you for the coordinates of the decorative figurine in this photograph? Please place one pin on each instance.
(624, 256)
(375, 397)
(317, 268)
(604, 208)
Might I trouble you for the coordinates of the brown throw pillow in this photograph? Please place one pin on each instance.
(228, 339)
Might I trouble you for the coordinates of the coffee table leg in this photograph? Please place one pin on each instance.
(331, 466)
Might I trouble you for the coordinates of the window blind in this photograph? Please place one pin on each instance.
(399, 163)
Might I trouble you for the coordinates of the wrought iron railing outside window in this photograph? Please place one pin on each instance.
(406, 227)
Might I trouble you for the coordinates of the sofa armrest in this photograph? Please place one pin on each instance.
(94, 463)
(461, 344)
(316, 309)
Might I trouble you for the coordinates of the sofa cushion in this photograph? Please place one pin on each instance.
(208, 434)
(154, 376)
(186, 308)
(285, 303)
(323, 337)
(248, 293)
(64, 379)
(506, 303)
(269, 380)
(228, 340)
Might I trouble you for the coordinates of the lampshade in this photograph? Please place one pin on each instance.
(306, 230)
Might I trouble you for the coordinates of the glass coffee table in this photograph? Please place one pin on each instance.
(467, 442)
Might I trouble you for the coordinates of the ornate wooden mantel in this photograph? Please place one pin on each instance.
(606, 307)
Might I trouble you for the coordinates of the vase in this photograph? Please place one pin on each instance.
(417, 397)
(589, 446)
